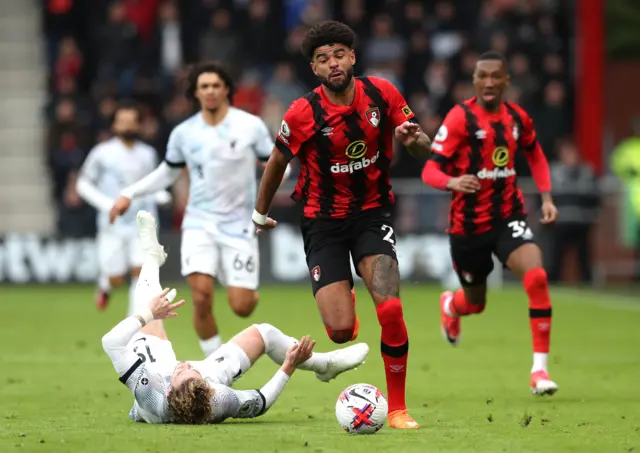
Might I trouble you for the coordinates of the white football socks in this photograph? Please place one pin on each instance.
(132, 296)
(103, 284)
(147, 285)
(209, 345)
(539, 361)
(276, 345)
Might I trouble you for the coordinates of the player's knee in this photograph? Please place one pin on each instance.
(476, 309)
(340, 336)
(117, 281)
(243, 304)
(202, 303)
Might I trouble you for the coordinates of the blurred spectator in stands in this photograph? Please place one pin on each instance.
(65, 122)
(446, 38)
(249, 94)
(353, 13)
(385, 48)
(220, 42)
(552, 119)
(69, 61)
(522, 77)
(73, 215)
(577, 197)
(283, 84)
(118, 47)
(167, 51)
(272, 112)
(263, 35)
(58, 21)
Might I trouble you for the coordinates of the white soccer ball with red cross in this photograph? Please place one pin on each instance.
(361, 409)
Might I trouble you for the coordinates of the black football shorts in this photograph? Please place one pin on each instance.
(472, 255)
(329, 243)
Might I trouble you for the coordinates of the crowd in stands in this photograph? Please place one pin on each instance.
(104, 50)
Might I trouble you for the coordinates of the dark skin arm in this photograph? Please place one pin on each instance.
(271, 180)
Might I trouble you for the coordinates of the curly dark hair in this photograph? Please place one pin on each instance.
(327, 32)
(209, 67)
(190, 403)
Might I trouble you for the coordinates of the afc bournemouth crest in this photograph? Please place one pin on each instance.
(315, 273)
(373, 116)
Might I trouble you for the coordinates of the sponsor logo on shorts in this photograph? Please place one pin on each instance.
(315, 273)
(467, 277)
(354, 165)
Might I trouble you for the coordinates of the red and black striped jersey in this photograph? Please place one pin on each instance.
(344, 151)
(474, 141)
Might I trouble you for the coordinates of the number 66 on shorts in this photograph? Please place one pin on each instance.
(235, 262)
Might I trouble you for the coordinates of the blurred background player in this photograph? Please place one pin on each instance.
(109, 167)
(220, 146)
(197, 392)
(474, 156)
(341, 133)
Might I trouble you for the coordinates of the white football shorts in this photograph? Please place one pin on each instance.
(117, 254)
(225, 366)
(235, 262)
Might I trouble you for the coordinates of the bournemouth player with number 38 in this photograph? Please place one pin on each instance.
(342, 135)
(473, 157)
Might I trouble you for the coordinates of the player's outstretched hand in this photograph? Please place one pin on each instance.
(267, 226)
(119, 207)
(549, 212)
(407, 133)
(162, 308)
(298, 354)
(464, 184)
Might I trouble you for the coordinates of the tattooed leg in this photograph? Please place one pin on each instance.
(381, 276)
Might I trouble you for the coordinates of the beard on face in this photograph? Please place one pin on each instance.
(128, 136)
(338, 87)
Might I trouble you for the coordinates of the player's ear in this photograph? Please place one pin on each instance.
(352, 56)
(313, 67)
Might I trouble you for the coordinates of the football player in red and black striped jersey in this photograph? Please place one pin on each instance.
(474, 157)
(342, 135)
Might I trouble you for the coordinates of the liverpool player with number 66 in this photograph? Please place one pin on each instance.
(473, 157)
(342, 135)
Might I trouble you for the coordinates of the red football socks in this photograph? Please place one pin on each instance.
(394, 347)
(462, 307)
(537, 288)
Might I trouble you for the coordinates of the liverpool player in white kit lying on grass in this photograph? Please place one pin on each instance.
(220, 146)
(197, 392)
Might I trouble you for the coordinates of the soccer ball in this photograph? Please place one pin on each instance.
(361, 409)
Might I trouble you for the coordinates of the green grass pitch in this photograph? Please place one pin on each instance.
(59, 392)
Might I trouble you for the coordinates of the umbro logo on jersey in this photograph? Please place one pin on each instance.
(481, 134)
(327, 131)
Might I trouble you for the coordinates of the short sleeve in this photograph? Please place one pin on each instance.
(296, 128)
(450, 136)
(91, 167)
(174, 156)
(262, 143)
(399, 110)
